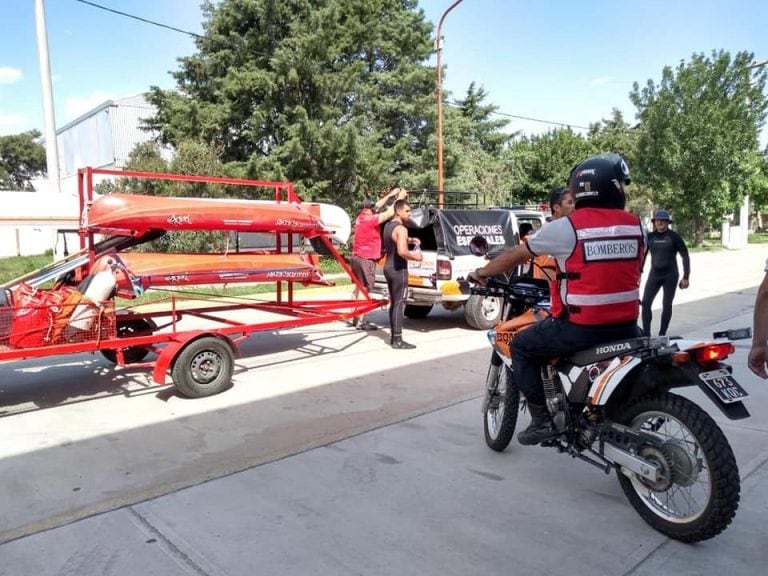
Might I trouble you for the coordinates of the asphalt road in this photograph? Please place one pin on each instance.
(333, 454)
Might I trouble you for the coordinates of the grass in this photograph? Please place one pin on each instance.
(758, 237)
(14, 267)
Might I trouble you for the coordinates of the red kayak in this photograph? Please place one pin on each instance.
(153, 270)
(128, 214)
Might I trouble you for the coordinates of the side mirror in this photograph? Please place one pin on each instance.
(478, 246)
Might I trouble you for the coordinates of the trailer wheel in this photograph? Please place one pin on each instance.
(132, 354)
(203, 368)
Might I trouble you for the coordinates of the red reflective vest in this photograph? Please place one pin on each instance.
(601, 280)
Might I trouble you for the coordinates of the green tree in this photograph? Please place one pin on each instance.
(544, 161)
(474, 143)
(614, 134)
(698, 125)
(331, 94)
(21, 160)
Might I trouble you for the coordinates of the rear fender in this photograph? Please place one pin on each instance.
(169, 353)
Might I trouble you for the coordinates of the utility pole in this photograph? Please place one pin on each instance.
(439, 48)
(51, 147)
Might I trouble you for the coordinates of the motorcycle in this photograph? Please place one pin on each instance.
(612, 407)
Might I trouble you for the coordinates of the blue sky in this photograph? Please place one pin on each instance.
(563, 61)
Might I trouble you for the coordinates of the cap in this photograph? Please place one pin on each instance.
(369, 204)
(661, 215)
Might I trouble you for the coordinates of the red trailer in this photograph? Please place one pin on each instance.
(70, 306)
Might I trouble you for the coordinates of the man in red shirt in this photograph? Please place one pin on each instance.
(366, 244)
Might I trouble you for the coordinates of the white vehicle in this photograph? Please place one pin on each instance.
(440, 279)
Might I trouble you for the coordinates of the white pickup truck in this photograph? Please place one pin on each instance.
(440, 279)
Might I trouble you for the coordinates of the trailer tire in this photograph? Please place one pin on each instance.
(203, 368)
(132, 354)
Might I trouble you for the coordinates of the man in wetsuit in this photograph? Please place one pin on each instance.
(664, 245)
(396, 240)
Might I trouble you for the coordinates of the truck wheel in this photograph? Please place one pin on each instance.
(416, 312)
(482, 312)
(203, 368)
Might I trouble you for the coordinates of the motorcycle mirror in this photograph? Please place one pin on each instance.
(478, 246)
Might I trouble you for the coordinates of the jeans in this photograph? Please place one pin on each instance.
(554, 338)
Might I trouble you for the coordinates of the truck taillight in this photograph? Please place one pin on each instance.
(444, 270)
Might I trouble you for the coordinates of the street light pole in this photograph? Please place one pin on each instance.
(51, 146)
(439, 49)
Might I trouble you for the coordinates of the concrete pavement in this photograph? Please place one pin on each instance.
(352, 458)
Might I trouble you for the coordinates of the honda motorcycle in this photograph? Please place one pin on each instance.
(612, 407)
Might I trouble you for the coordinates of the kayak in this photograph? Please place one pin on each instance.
(146, 270)
(128, 214)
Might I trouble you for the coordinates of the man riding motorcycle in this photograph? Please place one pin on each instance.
(599, 251)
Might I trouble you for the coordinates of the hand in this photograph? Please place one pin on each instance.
(683, 284)
(402, 193)
(757, 359)
(414, 241)
(417, 256)
(474, 278)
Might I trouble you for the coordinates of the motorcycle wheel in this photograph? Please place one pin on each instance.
(698, 494)
(502, 407)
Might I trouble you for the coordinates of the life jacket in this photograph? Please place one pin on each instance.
(601, 280)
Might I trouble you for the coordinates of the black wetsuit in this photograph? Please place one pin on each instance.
(396, 273)
(663, 248)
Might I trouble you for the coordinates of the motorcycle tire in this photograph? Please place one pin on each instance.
(697, 495)
(502, 406)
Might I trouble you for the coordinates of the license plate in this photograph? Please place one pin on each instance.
(723, 384)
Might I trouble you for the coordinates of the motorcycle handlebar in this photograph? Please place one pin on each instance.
(521, 287)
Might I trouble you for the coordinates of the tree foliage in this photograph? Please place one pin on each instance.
(21, 160)
(331, 94)
(699, 135)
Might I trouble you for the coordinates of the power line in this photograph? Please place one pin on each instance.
(195, 35)
(140, 19)
(458, 104)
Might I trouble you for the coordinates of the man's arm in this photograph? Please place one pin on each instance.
(384, 200)
(758, 355)
(682, 249)
(400, 235)
(389, 212)
(504, 262)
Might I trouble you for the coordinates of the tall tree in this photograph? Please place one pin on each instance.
(614, 134)
(331, 94)
(474, 144)
(698, 125)
(544, 161)
(21, 160)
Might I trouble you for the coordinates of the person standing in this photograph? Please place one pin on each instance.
(599, 250)
(396, 271)
(366, 245)
(664, 245)
(758, 354)
(561, 203)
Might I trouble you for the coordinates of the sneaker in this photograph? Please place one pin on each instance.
(367, 326)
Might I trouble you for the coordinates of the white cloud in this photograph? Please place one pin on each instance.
(10, 75)
(11, 123)
(600, 81)
(79, 105)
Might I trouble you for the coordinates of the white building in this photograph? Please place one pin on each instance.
(101, 138)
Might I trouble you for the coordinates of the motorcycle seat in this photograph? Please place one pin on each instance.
(607, 350)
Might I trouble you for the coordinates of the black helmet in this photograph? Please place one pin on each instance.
(599, 182)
